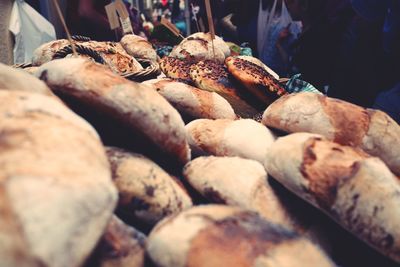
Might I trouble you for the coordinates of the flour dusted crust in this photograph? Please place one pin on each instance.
(198, 47)
(256, 79)
(213, 76)
(120, 246)
(258, 62)
(14, 79)
(68, 204)
(340, 121)
(216, 235)
(244, 138)
(132, 104)
(45, 52)
(138, 47)
(193, 102)
(146, 192)
(355, 189)
(176, 69)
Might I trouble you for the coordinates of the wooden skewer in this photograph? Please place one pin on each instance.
(210, 24)
(60, 15)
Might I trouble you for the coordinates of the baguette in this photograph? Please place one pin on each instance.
(339, 121)
(193, 102)
(244, 138)
(216, 236)
(55, 180)
(131, 104)
(147, 193)
(356, 190)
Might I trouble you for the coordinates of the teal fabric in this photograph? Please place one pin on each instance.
(296, 85)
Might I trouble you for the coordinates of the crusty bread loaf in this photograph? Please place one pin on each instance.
(120, 246)
(244, 138)
(138, 47)
(55, 180)
(176, 69)
(355, 189)
(216, 236)
(257, 80)
(14, 79)
(345, 123)
(45, 52)
(258, 62)
(193, 102)
(213, 76)
(133, 105)
(198, 47)
(146, 192)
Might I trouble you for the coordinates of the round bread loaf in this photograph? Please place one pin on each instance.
(141, 110)
(138, 47)
(146, 192)
(176, 69)
(120, 246)
(356, 190)
(55, 182)
(14, 79)
(257, 80)
(216, 236)
(244, 138)
(213, 76)
(193, 102)
(345, 123)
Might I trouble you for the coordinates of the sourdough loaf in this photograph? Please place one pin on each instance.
(340, 121)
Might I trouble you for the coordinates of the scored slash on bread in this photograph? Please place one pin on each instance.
(176, 69)
(257, 80)
(213, 76)
(356, 190)
(193, 102)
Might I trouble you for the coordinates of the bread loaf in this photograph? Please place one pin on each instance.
(141, 110)
(216, 236)
(243, 138)
(146, 192)
(176, 69)
(193, 102)
(256, 79)
(213, 76)
(138, 47)
(356, 190)
(14, 79)
(55, 181)
(120, 246)
(345, 123)
(258, 62)
(45, 52)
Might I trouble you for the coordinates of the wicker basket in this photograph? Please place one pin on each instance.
(150, 71)
(81, 49)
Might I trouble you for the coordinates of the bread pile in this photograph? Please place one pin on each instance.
(98, 170)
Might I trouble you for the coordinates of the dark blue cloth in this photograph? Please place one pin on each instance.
(389, 102)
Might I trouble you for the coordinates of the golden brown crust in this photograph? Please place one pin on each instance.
(176, 68)
(350, 121)
(257, 80)
(325, 164)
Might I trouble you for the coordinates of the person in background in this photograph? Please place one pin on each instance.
(339, 50)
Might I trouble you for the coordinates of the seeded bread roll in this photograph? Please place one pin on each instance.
(356, 190)
(345, 123)
(14, 79)
(120, 246)
(135, 106)
(55, 183)
(215, 236)
(244, 138)
(138, 47)
(212, 76)
(258, 62)
(257, 80)
(193, 102)
(176, 69)
(146, 192)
